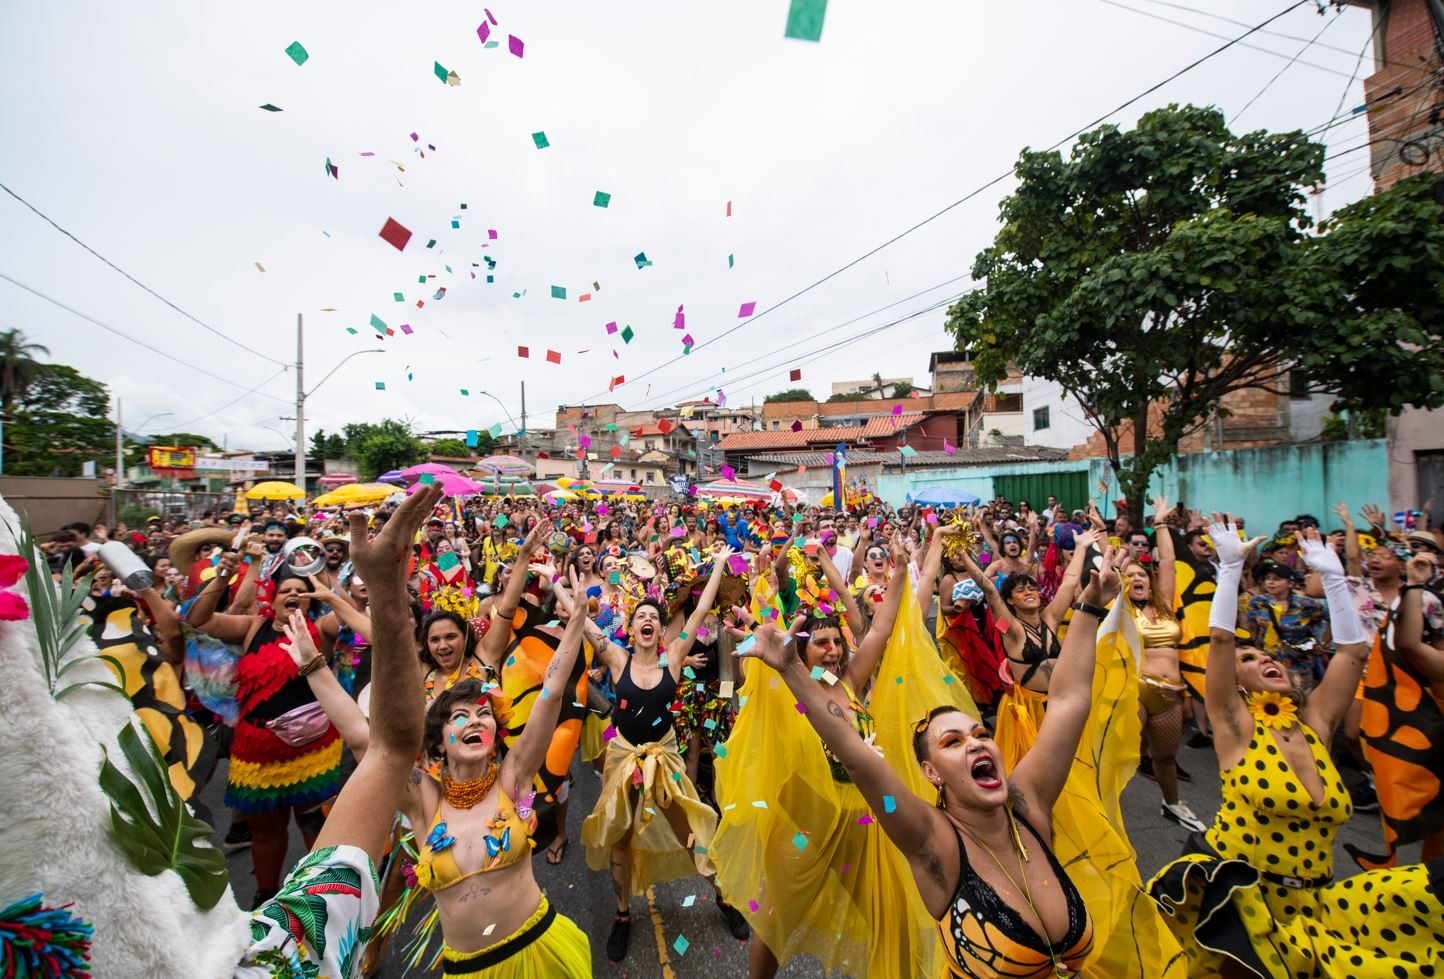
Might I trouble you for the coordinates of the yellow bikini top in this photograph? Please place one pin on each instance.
(1158, 634)
(508, 841)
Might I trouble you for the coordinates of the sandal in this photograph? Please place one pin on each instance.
(618, 939)
(557, 852)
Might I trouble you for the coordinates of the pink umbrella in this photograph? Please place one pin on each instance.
(412, 473)
(452, 484)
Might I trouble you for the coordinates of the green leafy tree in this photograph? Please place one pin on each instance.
(902, 389)
(58, 423)
(451, 447)
(833, 399)
(791, 394)
(18, 366)
(1155, 271)
(378, 448)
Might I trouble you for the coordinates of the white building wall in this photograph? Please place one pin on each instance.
(1066, 426)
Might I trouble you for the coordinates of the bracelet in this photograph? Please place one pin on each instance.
(311, 665)
(1407, 588)
(1093, 610)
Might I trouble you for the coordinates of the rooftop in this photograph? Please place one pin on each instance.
(964, 456)
(874, 428)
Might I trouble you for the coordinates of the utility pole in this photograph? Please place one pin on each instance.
(300, 409)
(523, 410)
(119, 469)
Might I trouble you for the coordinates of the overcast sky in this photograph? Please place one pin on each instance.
(139, 131)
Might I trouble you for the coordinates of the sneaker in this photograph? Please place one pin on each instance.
(1365, 799)
(736, 924)
(1179, 813)
(239, 837)
(1145, 768)
(620, 935)
(1200, 740)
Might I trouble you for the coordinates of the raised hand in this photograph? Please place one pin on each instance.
(382, 562)
(1374, 516)
(770, 644)
(1420, 569)
(299, 644)
(1226, 544)
(1317, 555)
(1342, 510)
(1103, 586)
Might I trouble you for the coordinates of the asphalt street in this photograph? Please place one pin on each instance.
(686, 909)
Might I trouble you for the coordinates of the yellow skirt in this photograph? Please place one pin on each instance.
(638, 783)
(546, 946)
(1020, 714)
(593, 729)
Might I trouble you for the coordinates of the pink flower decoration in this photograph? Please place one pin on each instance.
(12, 606)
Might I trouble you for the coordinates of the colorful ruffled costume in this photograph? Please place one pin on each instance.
(1265, 899)
(811, 869)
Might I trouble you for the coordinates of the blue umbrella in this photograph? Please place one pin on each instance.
(394, 476)
(941, 496)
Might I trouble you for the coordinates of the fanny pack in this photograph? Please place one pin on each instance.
(300, 725)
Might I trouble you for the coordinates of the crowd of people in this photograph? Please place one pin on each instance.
(889, 738)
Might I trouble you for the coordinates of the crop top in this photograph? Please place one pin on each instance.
(508, 841)
(1162, 633)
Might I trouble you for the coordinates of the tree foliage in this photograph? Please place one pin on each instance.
(1170, 265)
(378, 448)
(325, 446)
(791, 394)
(18, 366)
(902, 389)
(452, 447)
(60, 421)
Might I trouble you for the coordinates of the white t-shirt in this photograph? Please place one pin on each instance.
(843, 560)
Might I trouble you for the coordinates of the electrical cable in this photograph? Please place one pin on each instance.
(193, 319)
(1292, 61)
(974, 193)
(125, 336)
(216, 411)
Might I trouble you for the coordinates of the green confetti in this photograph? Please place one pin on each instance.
(540, 139)
(804, 19)
(601, 199)
(398, 297)
(642, 260)
(500, 521)
(681, 944)
(440, 72)
(495, 430)
(889, 804)
(559, 292)
(351, 330)
(719, 750)
(800, 841)
(427, 479)
(378, 324)
(908, 451)
(627, 334)
(729, 261)
(297, 52)
(381, 385)
(465, 393)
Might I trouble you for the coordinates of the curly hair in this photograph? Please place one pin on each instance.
(468, 690)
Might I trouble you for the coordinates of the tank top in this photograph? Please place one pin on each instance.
(267, 684)
(643, 714)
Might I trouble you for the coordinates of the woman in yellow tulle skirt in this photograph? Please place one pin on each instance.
(798, 848)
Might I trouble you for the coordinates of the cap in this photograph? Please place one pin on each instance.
(1422, 537)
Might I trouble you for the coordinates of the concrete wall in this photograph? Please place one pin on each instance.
(1413, 431)
(51, 503)
(1066, 425)
(1265, 485)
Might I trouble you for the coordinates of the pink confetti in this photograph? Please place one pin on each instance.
(405, 328)
(491, 234)
(679, 322)
(801, 708)
(897, 409)
(729, 473)
(752, 906)
(368, 153)
(746, 310)
(687, 341)
(484, 31)
(949, 449)
(611, 328)
(415, 138)
(515, 45)
(489, 15)
(864, 820)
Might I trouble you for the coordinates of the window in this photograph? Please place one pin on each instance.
(1040, 418)
(651, 476)
(1298, 386)
(775, 425)
(634, 474)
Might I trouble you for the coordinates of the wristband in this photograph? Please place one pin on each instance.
(1092, 610)
(1409, 588)
(311, 665)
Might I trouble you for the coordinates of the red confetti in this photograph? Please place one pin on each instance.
(395, 235)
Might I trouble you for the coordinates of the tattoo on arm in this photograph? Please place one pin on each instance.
(835, 710)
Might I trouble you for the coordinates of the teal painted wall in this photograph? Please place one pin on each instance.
(1265, 485)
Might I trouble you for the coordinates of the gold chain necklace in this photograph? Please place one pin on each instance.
(1027, 893)
(464, 795)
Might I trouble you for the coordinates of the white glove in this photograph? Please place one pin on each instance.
(1223, 613)
(1321, 558)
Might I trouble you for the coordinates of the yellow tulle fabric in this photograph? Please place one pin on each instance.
(657, 855)
(562, 952)
(800, 855)
(594, 730)
(1089, 838)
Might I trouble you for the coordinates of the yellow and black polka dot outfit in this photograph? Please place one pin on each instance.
(1266, 897)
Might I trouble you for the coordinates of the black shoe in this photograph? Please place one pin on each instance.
(1145, 768)
(261, 898)
(618, 939)
(736, 924)
(1200, 740)
(239, 837)
(1365, 799)
(1182, 775)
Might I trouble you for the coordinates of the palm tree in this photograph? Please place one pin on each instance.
(17, 366)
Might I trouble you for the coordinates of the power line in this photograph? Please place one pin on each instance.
(1350, 83)
(1292, 61)
(1239, 23)
(46, 218)
(216, 411)
(126, 336)
(974, 193)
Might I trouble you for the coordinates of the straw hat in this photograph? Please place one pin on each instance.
(183, 549)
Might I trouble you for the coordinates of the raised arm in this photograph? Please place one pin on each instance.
(1043, 770)
(1409, 626)
(165, 625)
(863, 663)
(1331, 699)
(503, 610)
(679, 648)
(931, 566)
(1012, 632)
(1063, 597)
(339, 707)
(245, 598)
(1232, 726)
(1353, 555)
(231, 629)
(855, 621)
(530, 748)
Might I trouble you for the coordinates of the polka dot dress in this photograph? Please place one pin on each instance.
(1267, 901)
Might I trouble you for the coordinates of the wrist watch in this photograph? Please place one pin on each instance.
(1093, 610)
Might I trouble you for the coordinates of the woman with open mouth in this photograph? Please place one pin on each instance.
(1255, 896)
(644, 776)
(474, 821)
(796, 834)
(980, 853)
(286, 756)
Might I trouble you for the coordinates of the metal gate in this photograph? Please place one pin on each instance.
(1071, 488)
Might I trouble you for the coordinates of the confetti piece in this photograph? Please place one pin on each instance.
(453, 79)
(465, 393)
(427, 479)
(540, 139)
(949, 448)
(752, 906)
(801, 708)
(759, 804)
(439, 71)
(797, 426)
(800, 841)
(611, 328)
(889, 804)
(495, 430)
(817, 672)
(729, 261)
(523, 352)
(897, 409)
(804, 19)
(553, 357)
(746, 310)
(725, 689)
(908, 451)
(398, 297)
(865, 820)
(515, 46)
(795, 374)
(559, 292)
(689, 900)
(627, 334)
(489, 929)
(395, 234)
(829, 677)
(601, 199)
(332, 170)
(378, 324)
(272, 108)
(259, 266)
(687, 341)
(381, 385)
(729, 209)
(585, 297)
(642, 260)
